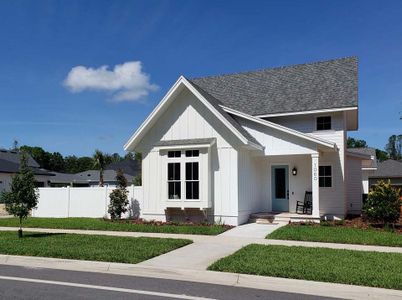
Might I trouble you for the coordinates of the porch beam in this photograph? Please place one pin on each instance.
(314, 185)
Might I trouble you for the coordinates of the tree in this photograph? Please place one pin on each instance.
(99, 163)
(356, 143)
(119, 197)
(56, 162)
(383, 204)
(394, 147)
(23, 196)
(15, 146)
(381, 155)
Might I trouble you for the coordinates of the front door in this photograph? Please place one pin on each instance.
(280, 188)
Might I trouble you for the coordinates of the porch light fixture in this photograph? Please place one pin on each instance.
(294, 171)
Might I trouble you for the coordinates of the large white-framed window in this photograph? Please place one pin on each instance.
(183, 175)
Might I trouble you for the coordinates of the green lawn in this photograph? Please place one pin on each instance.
(87, 247)
(100, 224)
(337, 234)
(319, 264)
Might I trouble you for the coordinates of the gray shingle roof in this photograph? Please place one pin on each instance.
(128, 166)
(185, 142)
(368, 151)
(388, 169)
(231, 120)
(10, 163)
(14, 157)
(312, 86)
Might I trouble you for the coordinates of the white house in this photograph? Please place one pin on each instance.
(232, 145)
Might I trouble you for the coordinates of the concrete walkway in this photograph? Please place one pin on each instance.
(207, 249)
(221, 278)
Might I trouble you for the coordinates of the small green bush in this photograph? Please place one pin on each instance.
(119, 197)
(383, 204)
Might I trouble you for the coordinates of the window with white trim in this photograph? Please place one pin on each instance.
(174, 181)
(325, 176)
(324, 123)
(192, 180)
(186, 186)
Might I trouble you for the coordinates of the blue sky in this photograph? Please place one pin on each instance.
(42, 41)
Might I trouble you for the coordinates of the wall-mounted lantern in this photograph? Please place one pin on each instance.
(294, 171)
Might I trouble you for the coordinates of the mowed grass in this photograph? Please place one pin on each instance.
(87, 247)
(373, 269)
(337, 234)
(100, 224)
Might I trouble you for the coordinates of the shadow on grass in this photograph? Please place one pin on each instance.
(40, 234)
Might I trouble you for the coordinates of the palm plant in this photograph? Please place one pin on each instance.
(99, 163)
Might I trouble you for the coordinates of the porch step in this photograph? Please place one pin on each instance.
(269, 218)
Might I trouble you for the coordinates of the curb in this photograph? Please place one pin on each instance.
(221, 278)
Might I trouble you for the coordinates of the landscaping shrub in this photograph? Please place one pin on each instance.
(119, 197)
(383, 204)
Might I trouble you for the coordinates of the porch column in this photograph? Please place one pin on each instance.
(314, 185)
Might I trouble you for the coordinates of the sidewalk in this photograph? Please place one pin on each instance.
(220, 278)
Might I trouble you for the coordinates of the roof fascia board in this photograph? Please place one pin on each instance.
(307, 112)
(282, 128)
(140, 129)
(182, 80)
(359, 155)
(216, 113)
(190, 146)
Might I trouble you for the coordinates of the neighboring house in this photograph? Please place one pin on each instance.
(232, 145)
(90, 178)
(388, 170)
(10, 164)
(369, 166)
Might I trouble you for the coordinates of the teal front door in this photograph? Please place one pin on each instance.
(280, 188)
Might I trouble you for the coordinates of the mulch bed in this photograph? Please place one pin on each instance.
(359, 222)
(160, 223)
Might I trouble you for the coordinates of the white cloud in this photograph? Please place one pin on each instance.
(126, 82)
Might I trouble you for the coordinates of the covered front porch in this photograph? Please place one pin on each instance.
(291, 184)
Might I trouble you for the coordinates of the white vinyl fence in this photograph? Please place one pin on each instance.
(91, 202)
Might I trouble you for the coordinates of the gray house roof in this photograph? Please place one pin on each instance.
(130, 169)
(388, 169)
(14, 157)
(10, 163)
(305, 87)
(366, 151)
(128, 166)
(216, 104)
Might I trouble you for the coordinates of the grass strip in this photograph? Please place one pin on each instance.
(337, 234)
(87, 247)
(373, 269)
(100, 224)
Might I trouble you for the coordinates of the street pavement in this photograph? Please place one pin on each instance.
(39, 283)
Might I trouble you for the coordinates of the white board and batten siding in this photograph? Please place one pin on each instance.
(74, 202)
(188, 118)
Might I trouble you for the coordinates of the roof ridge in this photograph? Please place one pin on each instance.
(276, 68)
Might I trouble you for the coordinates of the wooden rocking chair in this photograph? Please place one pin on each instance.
(306, 206)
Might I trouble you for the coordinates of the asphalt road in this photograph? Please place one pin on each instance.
(35, 283)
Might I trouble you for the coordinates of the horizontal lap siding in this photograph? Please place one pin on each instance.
(354, 186)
